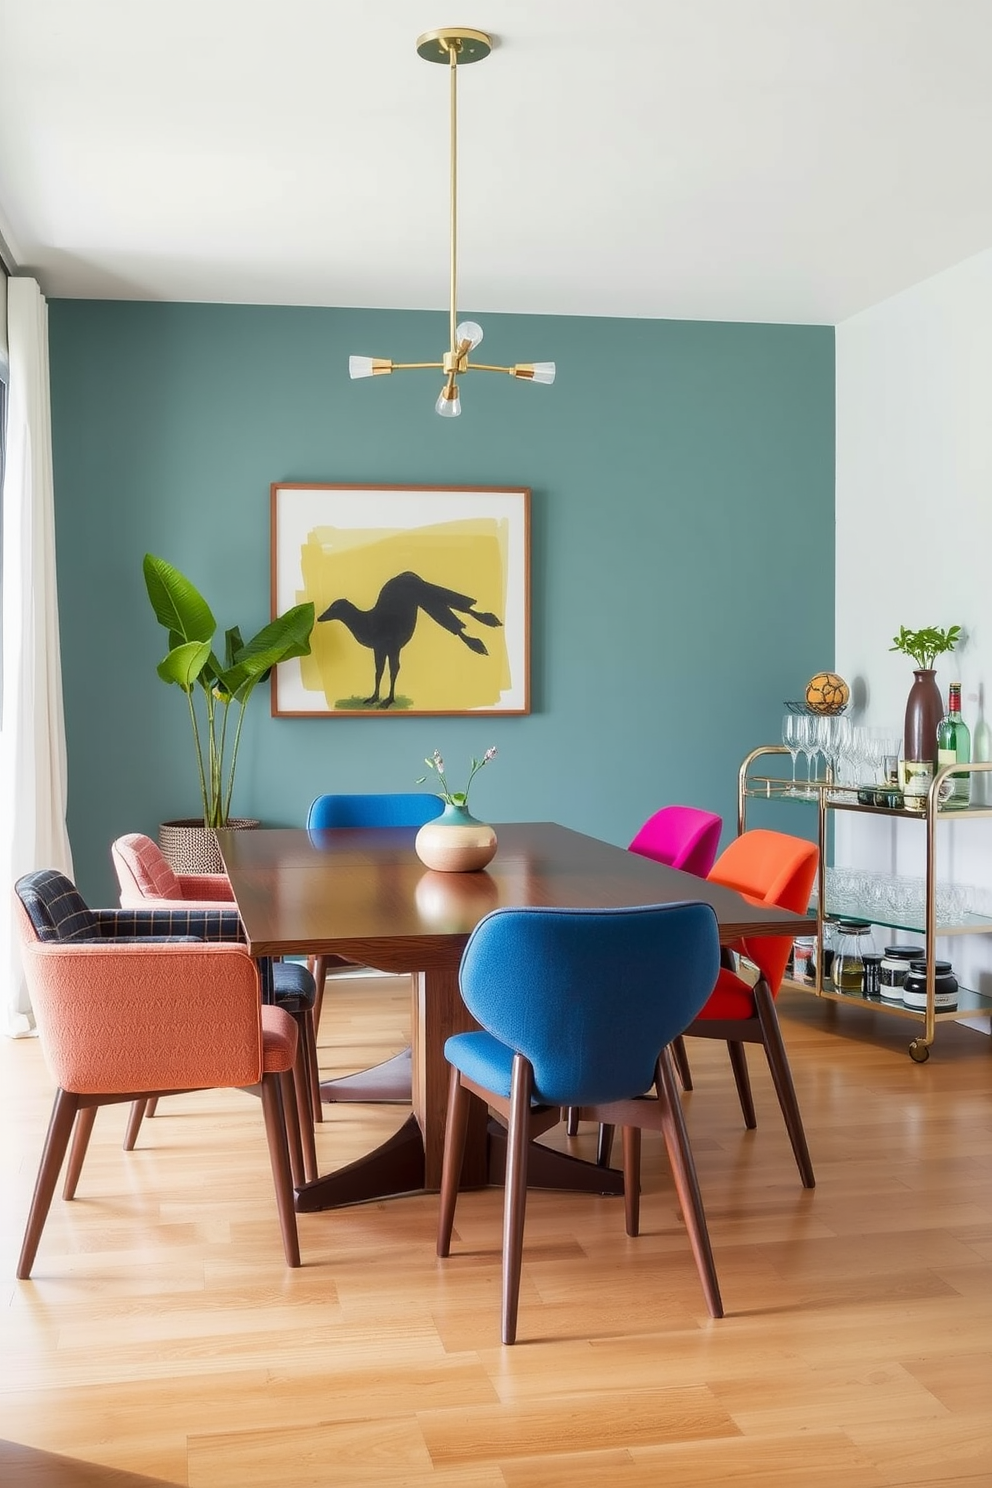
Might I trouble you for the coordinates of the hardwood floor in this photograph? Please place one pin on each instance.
(163, 1341)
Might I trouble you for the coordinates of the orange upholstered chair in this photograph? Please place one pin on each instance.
(148, 881)
(767, 868)
(126, 1020)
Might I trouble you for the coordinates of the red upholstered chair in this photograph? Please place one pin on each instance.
(768, 868)
(148, 881)
(126, 1020)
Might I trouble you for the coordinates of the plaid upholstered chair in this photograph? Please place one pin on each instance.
(148, 881)
(131, 1005)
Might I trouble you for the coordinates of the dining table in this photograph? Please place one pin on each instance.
(363, 894)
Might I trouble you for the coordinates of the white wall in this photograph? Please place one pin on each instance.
(914, 541)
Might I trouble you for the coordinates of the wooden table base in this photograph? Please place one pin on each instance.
(397, 1167)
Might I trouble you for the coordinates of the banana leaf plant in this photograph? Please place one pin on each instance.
(193, 666)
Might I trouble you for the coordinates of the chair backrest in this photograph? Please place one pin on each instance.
(683, 837)
(143, 871)
(590, 996)
(55, 907)
(772, 868)
(402, 809)
(118, 1017)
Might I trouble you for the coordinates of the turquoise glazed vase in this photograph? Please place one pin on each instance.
(455, 842)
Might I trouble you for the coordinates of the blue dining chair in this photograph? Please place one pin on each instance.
(578, 1007)
(328, 813)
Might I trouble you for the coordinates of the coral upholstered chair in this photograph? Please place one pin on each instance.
(683, 837)
(126, 1019)
(148, 881)
(145, 876)
(576, 1008)
(768, 868)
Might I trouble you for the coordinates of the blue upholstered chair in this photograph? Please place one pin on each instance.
(328, 813)
(578, 1007)
(58, 912)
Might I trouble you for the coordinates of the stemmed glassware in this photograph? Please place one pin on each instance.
(790, 738)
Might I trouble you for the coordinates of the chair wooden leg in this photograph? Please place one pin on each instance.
(152, 1106)
(738, 1063)
(275, 1131)
(455, 1131)
(313, 1067)
(572, 1121)
(778, 1064)
(515, 1198)
(681, 1059)
(291, 1122)
(604, 1145)
(318, 969)
(59, 1130)
(302, 1094)
(139, 1110)
(81, 1133)
(632, 1178)
(686, 1182)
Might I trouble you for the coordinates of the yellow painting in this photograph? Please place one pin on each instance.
(420, 596)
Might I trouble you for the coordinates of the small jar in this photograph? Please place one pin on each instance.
(872, 983)
(893, 969)
(853, 940)
(945, 988)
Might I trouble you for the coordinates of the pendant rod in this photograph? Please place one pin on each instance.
(453, 72)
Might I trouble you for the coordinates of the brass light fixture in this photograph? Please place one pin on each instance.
(453, 45)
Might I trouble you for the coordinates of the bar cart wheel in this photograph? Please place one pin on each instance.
(919, 1051)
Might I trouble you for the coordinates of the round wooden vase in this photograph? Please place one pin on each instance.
(455, 842)
(924, 711)
(190, 847)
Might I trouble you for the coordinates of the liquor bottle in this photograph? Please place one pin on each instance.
(954, 747)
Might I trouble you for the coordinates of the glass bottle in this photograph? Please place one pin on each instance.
(954, 747)
(854, 938)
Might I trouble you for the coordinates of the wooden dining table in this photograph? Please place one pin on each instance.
(363, 894)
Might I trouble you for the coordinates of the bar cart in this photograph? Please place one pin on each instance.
(828, 797)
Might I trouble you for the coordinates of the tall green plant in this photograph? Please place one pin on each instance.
(192, 665)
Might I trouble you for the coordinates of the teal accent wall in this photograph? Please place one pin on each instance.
(682, 547)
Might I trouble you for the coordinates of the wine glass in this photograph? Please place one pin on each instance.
(806, 744)
(790, 738)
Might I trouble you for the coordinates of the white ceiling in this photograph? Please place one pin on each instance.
(768, 160)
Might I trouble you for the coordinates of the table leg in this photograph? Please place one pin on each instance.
(438, 1012)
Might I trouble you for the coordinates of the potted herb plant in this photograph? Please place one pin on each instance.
(211, 687)
(924, 706)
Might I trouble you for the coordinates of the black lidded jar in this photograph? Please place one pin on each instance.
(945, 988)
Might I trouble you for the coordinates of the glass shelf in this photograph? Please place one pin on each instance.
(970, 1002)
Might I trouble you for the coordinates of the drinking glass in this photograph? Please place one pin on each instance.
(790, 738)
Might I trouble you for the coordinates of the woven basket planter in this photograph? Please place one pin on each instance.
(190, 847)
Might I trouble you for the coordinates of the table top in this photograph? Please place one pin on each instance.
(363, 893)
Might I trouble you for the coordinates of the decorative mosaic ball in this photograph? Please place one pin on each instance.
(827, 693)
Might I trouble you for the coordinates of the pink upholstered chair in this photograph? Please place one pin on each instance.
(683, 837)
(146, 878)
(127, 1020)
(148, 881)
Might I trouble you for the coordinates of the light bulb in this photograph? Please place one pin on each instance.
(470, 332)
(449, 405)
(359, 366)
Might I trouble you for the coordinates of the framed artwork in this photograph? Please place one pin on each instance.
(421, 595)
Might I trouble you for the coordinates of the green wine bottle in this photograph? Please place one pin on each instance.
(954, 747)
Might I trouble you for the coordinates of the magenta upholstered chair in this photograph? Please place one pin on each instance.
(681, 836)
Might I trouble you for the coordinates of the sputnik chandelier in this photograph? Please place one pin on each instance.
(454, 45)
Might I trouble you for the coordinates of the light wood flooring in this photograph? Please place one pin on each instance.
(162, 1339)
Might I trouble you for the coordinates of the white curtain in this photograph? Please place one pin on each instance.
(32, 731)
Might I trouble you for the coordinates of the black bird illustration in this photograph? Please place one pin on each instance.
(391, 621)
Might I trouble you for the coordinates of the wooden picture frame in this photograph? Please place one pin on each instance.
(422, 596)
